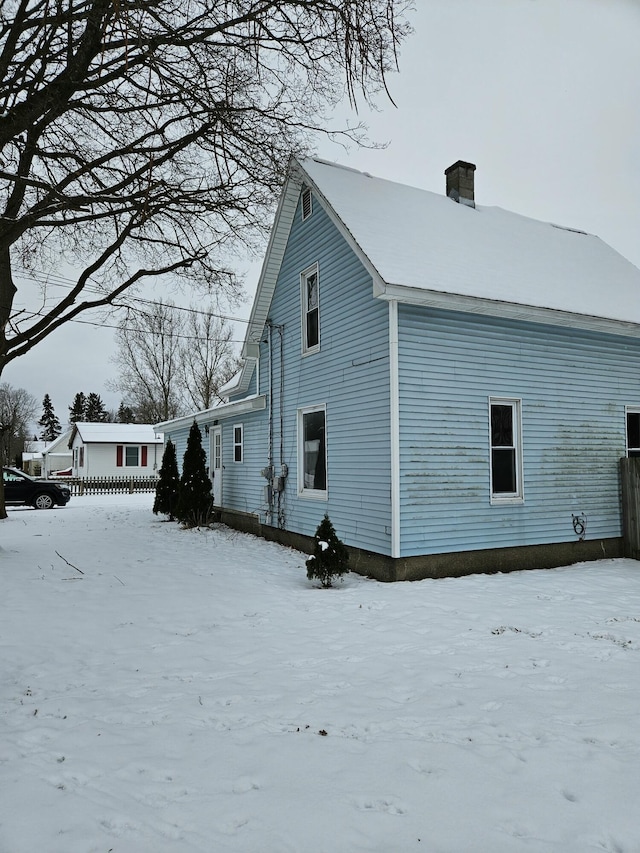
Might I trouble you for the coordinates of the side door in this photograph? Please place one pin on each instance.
(216, 463)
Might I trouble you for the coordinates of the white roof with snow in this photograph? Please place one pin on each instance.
(117, 433)
(428, 249)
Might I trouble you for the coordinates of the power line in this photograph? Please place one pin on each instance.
(64, 281)
(136, 330)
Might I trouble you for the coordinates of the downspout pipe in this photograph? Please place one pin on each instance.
(270, 457)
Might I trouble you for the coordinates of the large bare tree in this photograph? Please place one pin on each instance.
(17, 410)
(208, 358)
(148, 362)
(142, 137)
(172, 360)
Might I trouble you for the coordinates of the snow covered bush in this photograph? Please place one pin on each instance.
(330, 559)
(195, 499)
(167, 488)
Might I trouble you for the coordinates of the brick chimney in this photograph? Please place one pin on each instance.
(460, 182)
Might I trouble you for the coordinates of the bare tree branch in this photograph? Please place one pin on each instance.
(149, 137)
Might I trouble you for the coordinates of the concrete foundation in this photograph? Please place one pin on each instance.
(489, 561)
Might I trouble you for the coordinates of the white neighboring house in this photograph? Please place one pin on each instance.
(56, 456)
(115, 450)
(32, 457)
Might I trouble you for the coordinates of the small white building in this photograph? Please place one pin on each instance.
(115, 450)
(56, 456)
(32, 457)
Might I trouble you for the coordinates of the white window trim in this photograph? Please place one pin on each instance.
(308, 194)
(629, 410)
(516, 497)
(313, 494)
(239, 444)
(304, 275)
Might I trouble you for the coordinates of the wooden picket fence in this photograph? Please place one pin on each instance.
(108, 485)
(630, 482)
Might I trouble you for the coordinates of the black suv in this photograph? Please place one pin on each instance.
(20, 488)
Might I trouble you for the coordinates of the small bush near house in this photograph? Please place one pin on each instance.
(195, 499)
(330, 559)
(167, 490)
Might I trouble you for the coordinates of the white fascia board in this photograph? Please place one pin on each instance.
(506, 310)
(278, 240)
(272, 261)
(246, 372)
(378, 282)
(394, 404)
(242, 407)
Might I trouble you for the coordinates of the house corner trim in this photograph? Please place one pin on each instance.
(394, 408)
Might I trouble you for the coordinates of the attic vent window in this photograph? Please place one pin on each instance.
(307, 204)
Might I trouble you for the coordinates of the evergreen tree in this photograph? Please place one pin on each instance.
(168, 486)
(195, 499)
(330, 558)
(78, 408)
(95, 412)
(49, 422)
(126, 415)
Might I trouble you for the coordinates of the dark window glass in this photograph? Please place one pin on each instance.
(633, 432)
(501, 426)
(315, 463)
(503, 471)
(131, 457)
(312, 329)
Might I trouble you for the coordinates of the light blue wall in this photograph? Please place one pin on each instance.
(242, 483)
(574, 387)
(350, 375)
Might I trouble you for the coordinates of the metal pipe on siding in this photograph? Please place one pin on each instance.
(270, 458)
(281, 407)
(281, 403)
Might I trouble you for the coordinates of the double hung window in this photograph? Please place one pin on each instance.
(238, 443)
(131, 456)
(312, 452)
(310, 310)
(506, 453)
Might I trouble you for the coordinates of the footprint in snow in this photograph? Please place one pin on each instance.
(245, 784)
(384, 804)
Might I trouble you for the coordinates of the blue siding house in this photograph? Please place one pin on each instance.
(454, 385)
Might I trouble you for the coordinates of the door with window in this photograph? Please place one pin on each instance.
(216, 464)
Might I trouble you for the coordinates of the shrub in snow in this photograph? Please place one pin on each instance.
(330, 558)
(167, 489)
(195, 499)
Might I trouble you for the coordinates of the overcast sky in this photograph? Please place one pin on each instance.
(543, 96)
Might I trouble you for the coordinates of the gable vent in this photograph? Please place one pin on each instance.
(307, 204)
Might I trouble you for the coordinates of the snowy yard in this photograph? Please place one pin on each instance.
(171, 691)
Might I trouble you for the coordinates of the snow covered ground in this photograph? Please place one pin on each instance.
(171, 691)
